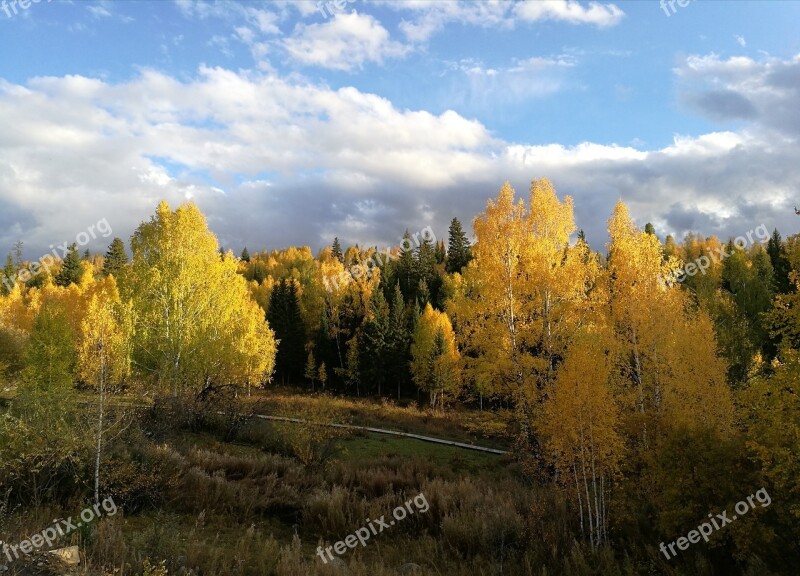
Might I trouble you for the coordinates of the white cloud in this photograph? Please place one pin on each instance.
(98, 11)
(431, 17)
(345, 42)
(571, 11)
(484, 89)
(762, 92)
(297, 160)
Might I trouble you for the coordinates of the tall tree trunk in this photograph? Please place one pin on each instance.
(586, 488)
(99, 430)
(578, 490)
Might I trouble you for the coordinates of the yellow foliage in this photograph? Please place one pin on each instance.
(435, 358)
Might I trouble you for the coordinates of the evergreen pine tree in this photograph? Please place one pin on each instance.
(374, 342)
(286, 320)
(399, 341)
(337, 250)
(780, 263)
(9, 274)
(116, 259)
(649, 229)
(245, 255)
(72, 270)
(423, 294)
(405, 269)
(441, 252)
(427, 276)
(459, 251)
(352, 370)
(425, 260)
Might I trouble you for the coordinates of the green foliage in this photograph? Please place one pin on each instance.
(398, 353)
(459, 252)
(770, 411)
(50, 358)
(286, 320)
(374, 344)
(72, 270)
(116, 259)
(336, 250)
(780, 263)
(8, 273)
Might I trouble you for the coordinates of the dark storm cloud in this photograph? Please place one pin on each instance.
(724, 105)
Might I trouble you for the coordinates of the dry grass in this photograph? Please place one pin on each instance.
(470, 426)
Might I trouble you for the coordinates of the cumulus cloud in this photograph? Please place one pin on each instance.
(346, 38)
(346, 42)
(275, 161)
(763, 92)
(570, 11)
(426, 18)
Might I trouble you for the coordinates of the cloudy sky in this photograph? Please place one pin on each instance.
(290, 123)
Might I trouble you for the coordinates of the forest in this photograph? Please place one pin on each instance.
(637, 388)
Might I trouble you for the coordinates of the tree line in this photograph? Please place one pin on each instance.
(620, 386)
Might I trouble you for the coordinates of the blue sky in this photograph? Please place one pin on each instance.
(288, 125)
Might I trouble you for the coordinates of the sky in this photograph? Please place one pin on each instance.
(290, 122)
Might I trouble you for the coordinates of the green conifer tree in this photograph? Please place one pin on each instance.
(116, 259)
(72, 269)
(459, 251)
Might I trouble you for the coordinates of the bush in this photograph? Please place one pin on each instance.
(312, 441)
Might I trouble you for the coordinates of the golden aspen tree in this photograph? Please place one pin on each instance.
(562, 278)
(490, 307)
(335, 279)
(579, 428)
(18, 308)
(697, 393)
(194, 314)
(435, 358)
(104, 355)
(523, 296)
(666, 348)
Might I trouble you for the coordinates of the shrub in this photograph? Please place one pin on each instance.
(312, 441)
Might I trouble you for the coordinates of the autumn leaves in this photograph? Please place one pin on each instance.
(599, 359)
(195, 319)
